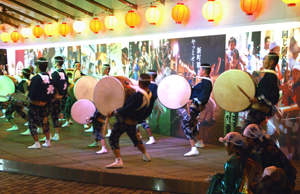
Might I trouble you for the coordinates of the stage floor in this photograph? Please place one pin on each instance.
(168, 171)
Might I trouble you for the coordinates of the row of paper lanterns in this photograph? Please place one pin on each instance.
(211, 10)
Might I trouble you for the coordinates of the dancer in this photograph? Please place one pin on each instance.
(22, 88)
(70, 101)
(104, 72)
(196, 104)
(98, 121)
(41, 92)
(60, 82)
(127, 118)
(267, 93)
(153, 89)
(39, 129)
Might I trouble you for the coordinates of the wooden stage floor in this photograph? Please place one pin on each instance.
(72, 152)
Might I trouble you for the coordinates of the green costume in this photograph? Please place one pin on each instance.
(230, 181)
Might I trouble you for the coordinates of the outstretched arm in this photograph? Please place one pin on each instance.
(218, 65)
(157, 64)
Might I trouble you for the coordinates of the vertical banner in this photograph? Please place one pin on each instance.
(19, 62)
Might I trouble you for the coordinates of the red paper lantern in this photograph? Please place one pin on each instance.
(179, 13)
(132, 19)
(15, 36)
(63, 29)
(291, 3)
(249, 6)
(96, 25)
(37, 31)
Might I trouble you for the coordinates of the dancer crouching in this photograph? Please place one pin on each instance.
(127, 118)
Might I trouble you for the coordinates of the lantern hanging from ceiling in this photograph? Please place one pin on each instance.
(153, 15)
(5, 37)
(249, 6)
(15, 36)
(26, 32)
(63, 29)
(79, 26)
(132, 19)
(291, 3)
(111, 22)
(49, 29)
(96, 25)
(179, 13)
(211, 10)
(37, 31)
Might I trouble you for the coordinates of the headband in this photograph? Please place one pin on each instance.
(23, 71)
(144, 80)
(58, 59)
(205, 66)
(152, 73)
(41, 60)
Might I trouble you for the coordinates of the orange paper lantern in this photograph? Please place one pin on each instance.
(153, 15)
(249, 6)
(5, 37)
(179, 13)
(96, 25)
(49, 29)
(26, 32)
(291, 3)
(211, 10)
(15, 36)
(111, 22)
(63, 29)
(37, 31)
(132, 19)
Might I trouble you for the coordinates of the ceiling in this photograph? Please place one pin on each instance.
(97, 11)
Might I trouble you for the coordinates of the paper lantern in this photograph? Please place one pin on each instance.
(96, 25)
(49, 29)
(79, 26)
(132, 19)
(26, 32)
(153, 15)
(15, 36)
(249, 6)
(211, 10)
(291, 3)
(37, 31)
(179, 13)
(5, 37)
(63, 29)
(111, 22)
